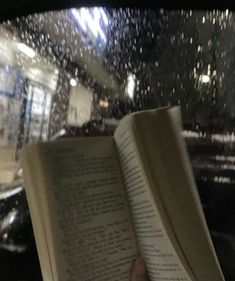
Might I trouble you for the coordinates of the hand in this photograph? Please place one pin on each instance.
(138, 271)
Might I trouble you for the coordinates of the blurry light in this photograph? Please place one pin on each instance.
(91, 21)
(229, 158)
(204, 79)
(223, 138)
(97, 13)
(101, 33)
(73, 82)
(222, 179)
(190, 134)
(26, 50)
(5, 236)
(104, 16)
(79, 19)
(11, 219)
(130, 85)
(56, 71)
(103, 103)
(58, 134)
(9, 193)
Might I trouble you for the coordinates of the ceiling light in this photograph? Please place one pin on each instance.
(92, 19)
(104, 16)
(77, 15)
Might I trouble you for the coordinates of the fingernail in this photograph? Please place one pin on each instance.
(139, 266)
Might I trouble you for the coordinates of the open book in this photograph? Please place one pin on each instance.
(96, 203)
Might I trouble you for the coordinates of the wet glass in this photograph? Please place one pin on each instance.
(79, 71)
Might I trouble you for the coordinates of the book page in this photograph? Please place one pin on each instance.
(158, 246)
(91, 233)
(32, 183)
(178, 190)
(150, 144)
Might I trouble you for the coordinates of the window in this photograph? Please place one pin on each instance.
(89, 67)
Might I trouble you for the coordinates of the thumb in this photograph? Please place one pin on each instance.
(139, 272)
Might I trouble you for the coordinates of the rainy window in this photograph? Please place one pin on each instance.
(68, 68)
(79, 71)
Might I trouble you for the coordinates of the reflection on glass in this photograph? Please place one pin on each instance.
(82, 70)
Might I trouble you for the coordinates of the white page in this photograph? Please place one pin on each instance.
(156, 245)
(88, 215)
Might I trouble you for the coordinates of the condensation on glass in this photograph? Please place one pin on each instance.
(79, 71)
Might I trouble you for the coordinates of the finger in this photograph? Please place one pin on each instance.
(139, 272)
